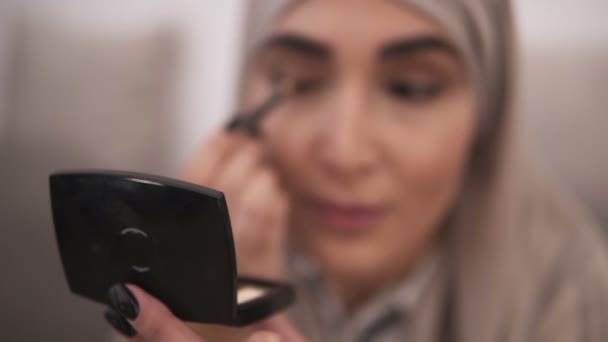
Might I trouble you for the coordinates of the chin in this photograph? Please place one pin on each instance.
(371, 258)
(351, 260)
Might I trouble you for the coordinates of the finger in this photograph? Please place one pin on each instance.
(209, 158)
(119, 323)
(265, 336)
(259, 226)
(152, 320)
(238, 169)
(263, 207)
(283, 327)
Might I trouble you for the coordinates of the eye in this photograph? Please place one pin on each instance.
(308, 85)
(304, 84)
(414, 91)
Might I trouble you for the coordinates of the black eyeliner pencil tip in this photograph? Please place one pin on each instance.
(249, 122)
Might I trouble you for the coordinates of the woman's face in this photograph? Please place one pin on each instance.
(372, 146)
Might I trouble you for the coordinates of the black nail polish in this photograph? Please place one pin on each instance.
(123, 301)
(119, 323)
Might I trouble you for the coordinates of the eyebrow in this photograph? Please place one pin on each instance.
(298, 44)
(417, 45)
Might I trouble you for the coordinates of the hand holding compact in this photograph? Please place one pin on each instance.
(141, 317)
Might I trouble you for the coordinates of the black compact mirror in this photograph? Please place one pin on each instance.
(170, 237)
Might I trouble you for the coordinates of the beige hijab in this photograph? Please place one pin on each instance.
(525, 263)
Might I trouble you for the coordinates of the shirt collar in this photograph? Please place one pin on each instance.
(402, 298)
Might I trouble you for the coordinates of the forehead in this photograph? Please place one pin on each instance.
(344, 23)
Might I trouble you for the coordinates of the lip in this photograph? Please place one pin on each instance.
(345, 217)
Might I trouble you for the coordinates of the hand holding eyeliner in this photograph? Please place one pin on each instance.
(249, 121)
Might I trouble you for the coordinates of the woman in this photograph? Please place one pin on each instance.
(393, 180)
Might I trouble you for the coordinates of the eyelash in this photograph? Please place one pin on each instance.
(303, 85)
(308, 85)
(414, 91)
(407, 90)
(403, 90)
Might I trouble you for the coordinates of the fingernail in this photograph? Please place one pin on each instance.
(119, 323)
(123, 301)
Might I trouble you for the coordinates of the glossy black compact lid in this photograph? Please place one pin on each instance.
(172, 238)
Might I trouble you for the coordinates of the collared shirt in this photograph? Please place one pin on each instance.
(383, 318)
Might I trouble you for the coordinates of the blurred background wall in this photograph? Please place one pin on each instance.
(95, 84)
(563, 98)
(136, 85)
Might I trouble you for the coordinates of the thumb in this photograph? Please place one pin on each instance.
(152, 320)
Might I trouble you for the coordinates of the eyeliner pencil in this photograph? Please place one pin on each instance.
(249, 121)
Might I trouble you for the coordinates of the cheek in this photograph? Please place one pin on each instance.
(430, 155)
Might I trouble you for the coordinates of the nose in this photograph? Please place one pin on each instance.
(346, 148)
